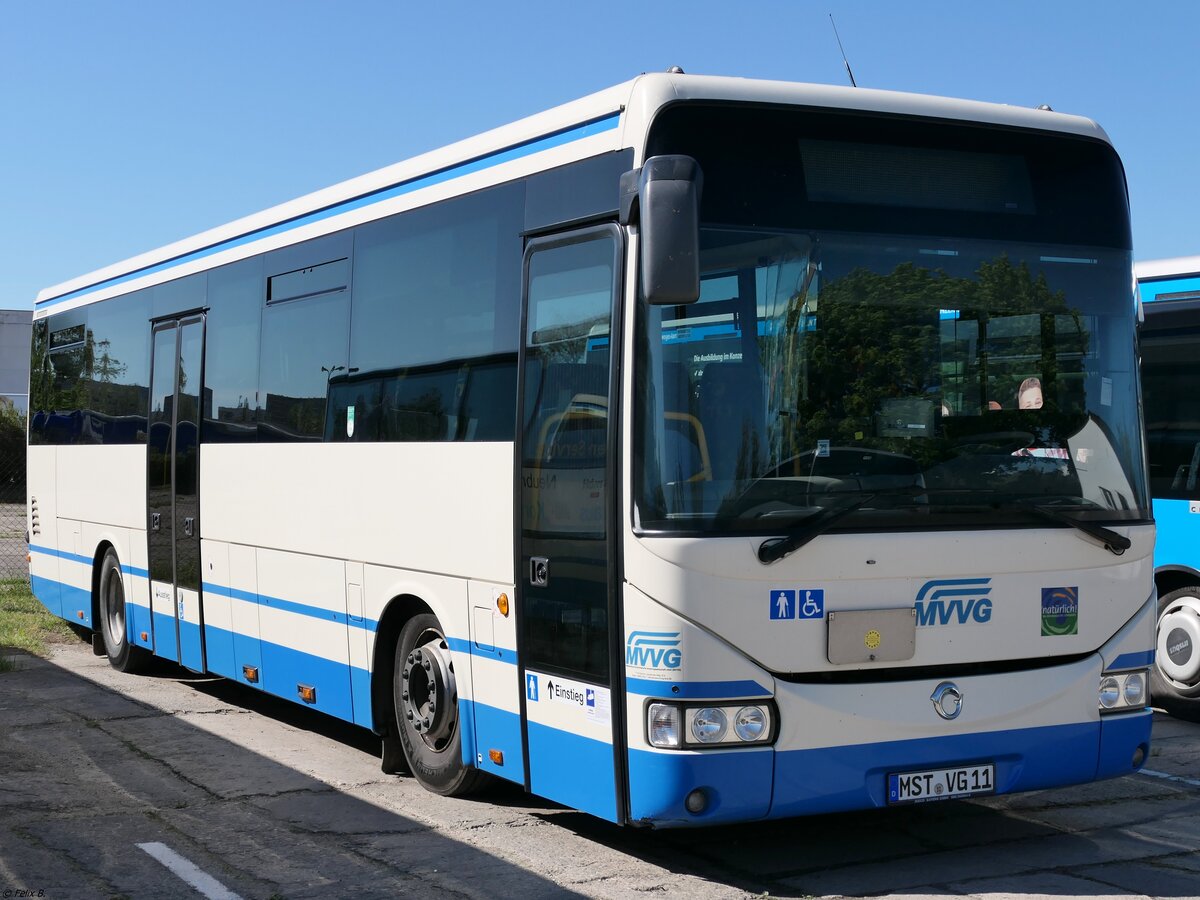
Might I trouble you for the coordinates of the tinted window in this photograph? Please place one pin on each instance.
(235, 295)
(118, 370)
(303, 347)
(58, 390)
(1170, 343)
(434, 333)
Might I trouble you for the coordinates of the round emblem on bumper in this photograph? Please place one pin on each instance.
(947, 700)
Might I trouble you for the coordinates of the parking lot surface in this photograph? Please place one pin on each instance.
(169, 784)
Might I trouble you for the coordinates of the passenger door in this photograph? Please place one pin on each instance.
(173, 496)
(566, 583)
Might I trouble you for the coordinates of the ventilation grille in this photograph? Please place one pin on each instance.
(34, 520)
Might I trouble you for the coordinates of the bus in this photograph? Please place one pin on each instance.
(703, 450)
(1170, 334)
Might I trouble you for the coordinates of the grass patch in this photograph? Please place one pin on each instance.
(25, 623)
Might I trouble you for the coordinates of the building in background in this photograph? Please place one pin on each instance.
(15, 329)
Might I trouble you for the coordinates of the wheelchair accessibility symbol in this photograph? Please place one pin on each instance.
(798, 604)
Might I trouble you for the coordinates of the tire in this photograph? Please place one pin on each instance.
(425, 699)
(1175, 677)
(113, 625)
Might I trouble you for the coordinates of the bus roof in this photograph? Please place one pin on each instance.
(1176, 267)
(609, 120)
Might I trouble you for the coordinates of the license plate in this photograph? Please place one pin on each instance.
(941, 784)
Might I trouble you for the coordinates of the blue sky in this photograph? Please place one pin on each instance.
(128, 125)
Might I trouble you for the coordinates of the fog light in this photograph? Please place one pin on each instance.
(1135, 689)
(696, 802)
(749, 723)
(709, 725)
(662, 725)
(1110, 692)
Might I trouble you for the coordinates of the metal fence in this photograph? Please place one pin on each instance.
(12, 511)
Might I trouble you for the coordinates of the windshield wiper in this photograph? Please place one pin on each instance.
(774, 549)
(1113, 542)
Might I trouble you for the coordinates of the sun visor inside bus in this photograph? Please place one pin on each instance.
(589, 189)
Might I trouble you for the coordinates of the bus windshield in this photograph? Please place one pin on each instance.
(964, 378)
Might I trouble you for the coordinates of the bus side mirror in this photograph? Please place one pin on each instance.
(663, 196)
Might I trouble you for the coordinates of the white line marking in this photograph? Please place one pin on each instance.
(189, 872)
(1166, 777)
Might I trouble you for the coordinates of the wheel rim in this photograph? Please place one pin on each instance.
(429, 694)
(114, 606)
(1178, 651)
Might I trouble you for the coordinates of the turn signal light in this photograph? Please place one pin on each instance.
(502, 605)
(307, 694)
(496, 756)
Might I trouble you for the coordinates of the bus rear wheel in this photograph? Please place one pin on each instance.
(1175, 677)
(114, 622)
(425, 696)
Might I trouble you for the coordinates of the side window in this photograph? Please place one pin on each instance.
(235, 302)
(304, 331)
(60, 391)
(1171, 399)
(118, 354)
(433, 340)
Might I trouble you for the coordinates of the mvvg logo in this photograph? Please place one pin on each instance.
(954, 601)
(653, 650)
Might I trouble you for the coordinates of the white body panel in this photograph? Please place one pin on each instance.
(414, 506)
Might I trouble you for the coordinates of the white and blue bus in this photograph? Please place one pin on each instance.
(703, 450)
(1170, 348)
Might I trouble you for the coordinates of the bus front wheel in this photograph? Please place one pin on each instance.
(1175, 677)
(114, 620)
(425, 695)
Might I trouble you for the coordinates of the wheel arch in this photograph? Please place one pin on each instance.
(102, 548)
(396, 613)
(1172, 578)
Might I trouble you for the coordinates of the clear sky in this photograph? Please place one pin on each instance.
(129, 125)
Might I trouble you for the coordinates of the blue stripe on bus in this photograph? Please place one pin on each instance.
(572, 769)
(48, 592)
(493, 729)
(303, 609)
(737, 785)
(786, 783)
(60, 554)
(1139, 660)
(484, 651)
(1151, 288)
(695, 690)
(487, 161)
(1175, 543)
(86, 560)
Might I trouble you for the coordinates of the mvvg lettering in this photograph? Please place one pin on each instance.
(654, 650)
(954, 601)
(943, 612)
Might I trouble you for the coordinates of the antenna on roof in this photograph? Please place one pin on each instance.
(853, 83)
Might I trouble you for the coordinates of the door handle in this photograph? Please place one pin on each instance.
(189, 526)
(539, 571)
(155, 521)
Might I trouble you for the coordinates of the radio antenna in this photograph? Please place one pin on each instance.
(853, 83)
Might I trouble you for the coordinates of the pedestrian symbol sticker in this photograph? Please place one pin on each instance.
(798, 604)
(531, 687)
(783, 604)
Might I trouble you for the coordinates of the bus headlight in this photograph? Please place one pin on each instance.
(708, 725)
(662, 725)
(1123, 691)
(677, 726)
(750, 723)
